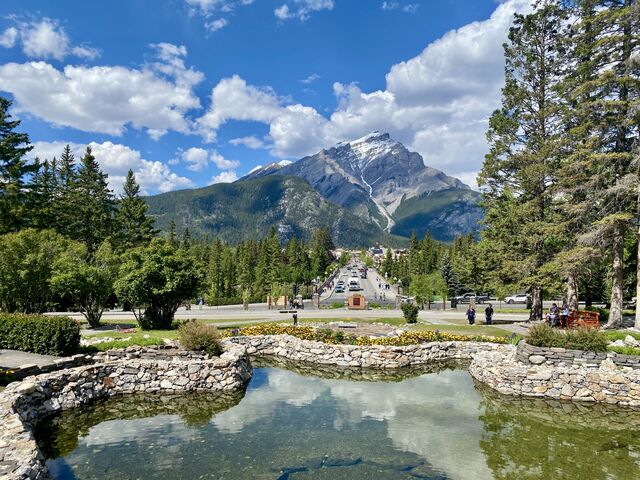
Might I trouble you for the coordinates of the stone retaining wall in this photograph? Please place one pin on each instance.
(538, 355)
(604, 382)
(24, 404)
(27, 370)
(373, 356)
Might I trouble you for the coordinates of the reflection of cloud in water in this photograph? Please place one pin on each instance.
(169, 433)
(434, 416)
(282, 386)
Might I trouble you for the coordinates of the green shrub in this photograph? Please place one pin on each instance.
(200, 337)
(588, 339)
(410, 312)
(542, 335)
(375, 305)
(39, 334)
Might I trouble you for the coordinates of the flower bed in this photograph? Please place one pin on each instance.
(333, 337)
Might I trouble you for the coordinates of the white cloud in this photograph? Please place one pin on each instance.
(310, 79)
(154, 97)
(223, 163)
(224, 177)
(301, 9)
(9, 37)
(217, 24)
(233, 99)
(44, 38)
(411, 7)
(249, 142)
(116, 160)
(437, 103)
(389, 5)
(199, 158)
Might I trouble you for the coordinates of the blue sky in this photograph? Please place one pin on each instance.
(191, 92)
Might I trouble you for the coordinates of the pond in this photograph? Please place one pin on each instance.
(303, 423)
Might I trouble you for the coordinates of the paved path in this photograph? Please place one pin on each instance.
(15, 359)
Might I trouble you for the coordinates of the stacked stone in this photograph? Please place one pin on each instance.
(604, 382)
(24, 404)
(372, 356)
(538, 355)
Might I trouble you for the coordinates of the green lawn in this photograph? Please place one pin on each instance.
(614, 335)
(139, 337)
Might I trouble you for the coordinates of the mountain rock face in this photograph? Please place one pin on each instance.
(380, 180)
(249, 208)
(369, 190)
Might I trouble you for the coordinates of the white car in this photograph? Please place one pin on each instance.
(519, 298)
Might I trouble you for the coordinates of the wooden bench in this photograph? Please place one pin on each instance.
(583, 318)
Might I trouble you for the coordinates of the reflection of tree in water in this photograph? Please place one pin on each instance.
(538, 439)
(60, 435)
(356, 374)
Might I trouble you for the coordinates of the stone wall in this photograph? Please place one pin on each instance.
(27, 370)
(603, 382)
(293, 348)
(24, 404)
(538, 355)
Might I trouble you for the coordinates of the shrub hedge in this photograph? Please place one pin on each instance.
(39, 334)
(588, 339)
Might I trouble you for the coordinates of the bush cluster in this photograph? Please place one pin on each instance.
(39, 334)
(588, 339)
(200, 337)
(410, 312)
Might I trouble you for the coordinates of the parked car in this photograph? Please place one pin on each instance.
(466, 298)
(518, 298)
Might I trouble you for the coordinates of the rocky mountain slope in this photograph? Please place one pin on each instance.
(380, 180)
(249, 208)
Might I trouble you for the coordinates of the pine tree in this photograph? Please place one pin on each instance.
(94, 204)
(14, 172)
(134, 227)
(603, 90)
(172, 235)
(521, 167)
(44, 187)
(64, 196)
(186, 239)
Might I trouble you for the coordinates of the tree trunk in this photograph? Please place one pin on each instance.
(615, 312)
(536, 304)
(572, 292)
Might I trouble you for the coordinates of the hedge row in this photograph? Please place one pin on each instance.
(39, 334)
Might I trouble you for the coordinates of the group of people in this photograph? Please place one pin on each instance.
(383, 296)
(558, 317)
(488, 315)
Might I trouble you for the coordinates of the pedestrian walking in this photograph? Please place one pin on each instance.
(488, 315)
(471, 315)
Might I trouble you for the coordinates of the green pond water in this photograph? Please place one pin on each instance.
(301, 423)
